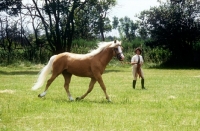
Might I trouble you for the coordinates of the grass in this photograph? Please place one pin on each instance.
(172, 102)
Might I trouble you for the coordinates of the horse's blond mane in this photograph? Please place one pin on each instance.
(101, 47)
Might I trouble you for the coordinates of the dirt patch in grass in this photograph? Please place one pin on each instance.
(7, 91)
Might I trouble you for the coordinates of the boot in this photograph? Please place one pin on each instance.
(142, 83)
(134, 83)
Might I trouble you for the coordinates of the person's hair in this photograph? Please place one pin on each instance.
(138, 48)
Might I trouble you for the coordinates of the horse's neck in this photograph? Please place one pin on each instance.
(105, 56)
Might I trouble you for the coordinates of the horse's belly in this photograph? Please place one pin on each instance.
(81, 72)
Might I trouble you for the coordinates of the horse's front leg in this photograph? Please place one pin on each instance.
(91, 85)
(103, 87)
(67, 76)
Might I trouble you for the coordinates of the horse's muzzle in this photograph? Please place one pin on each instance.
(120, 56)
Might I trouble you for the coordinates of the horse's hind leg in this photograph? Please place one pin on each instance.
(92, 82)
(53, 76)
(67, 76)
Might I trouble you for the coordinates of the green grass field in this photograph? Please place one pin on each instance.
(170, 103)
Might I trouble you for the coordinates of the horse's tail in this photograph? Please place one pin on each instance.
(43, 74)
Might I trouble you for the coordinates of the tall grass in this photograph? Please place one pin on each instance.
(171, 102)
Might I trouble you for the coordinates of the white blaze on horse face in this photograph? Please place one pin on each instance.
(120, 51)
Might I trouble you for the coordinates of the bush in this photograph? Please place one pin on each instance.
(152, 56)
(157, 56)
(81, 46)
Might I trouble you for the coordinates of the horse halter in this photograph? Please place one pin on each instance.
(119, 54)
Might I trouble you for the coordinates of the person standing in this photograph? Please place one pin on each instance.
(136, 62)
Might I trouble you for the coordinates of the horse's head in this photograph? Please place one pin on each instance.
(116, 45)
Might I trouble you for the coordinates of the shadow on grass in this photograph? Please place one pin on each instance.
(83, 101)
(110, 71)
(18, 72)
(37, 72)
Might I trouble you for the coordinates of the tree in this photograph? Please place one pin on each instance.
(57, 17)
(11, 7)
(61, 19)
(102, 7)
(126, 27)
(173, 26)
(92, 21)
(115, 22)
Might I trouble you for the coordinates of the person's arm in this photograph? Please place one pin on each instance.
(133, 61)
(141, 61)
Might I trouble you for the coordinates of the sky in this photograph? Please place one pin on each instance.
(130, 8)
(124, 8)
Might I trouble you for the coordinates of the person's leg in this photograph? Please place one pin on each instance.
(142, 79)
(134, 83)
(134, 76)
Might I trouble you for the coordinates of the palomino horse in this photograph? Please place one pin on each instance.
(90, 65)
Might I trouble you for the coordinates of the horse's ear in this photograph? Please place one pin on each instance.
(112, 45)
(120, 42)
(115, 43)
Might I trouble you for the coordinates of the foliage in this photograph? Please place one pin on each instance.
(82, 46)
(152, 56)
(126, 27)
(92, 21)
(167, 33)
(65, 20)
(41, 54)
(157, 56)
(57, 22)
(164, 106)
(18, 56)
(175, 27)
(12, 7)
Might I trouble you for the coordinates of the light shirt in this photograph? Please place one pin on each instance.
(135, 59)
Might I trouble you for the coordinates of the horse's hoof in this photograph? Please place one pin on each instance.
(41, 96)
(78, 98)
(109, 100)
(71, 99)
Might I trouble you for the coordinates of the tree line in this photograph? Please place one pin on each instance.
(36, 31)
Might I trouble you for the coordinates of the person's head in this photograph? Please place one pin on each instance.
(138, 51)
